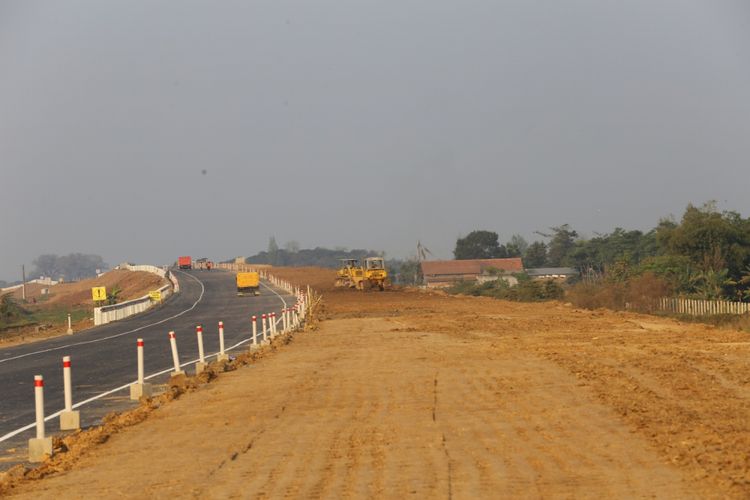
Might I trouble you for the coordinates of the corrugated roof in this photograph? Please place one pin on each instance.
(473, 266)
(542, 271)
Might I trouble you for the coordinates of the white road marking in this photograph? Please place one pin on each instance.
(162, 372)
(102, 339)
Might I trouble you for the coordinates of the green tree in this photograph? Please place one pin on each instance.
(479, 245)
(405, 272)
(10, 311)
(536, 255)
(73, 267)
(517, 246)
(562, 241)
(273, 251)
(712, 240)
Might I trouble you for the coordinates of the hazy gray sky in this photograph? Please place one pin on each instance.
(360, 124)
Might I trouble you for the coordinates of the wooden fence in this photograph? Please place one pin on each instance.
(696, 307)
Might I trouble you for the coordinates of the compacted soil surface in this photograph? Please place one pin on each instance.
(405, 393)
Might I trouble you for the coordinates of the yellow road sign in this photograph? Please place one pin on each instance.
(155, 295)
(99, 293)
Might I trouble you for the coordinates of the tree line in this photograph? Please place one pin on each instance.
(293, 256)
(706, 254)
(71, 267)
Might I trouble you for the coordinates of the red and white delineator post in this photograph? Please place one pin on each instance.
(273, 324)
(175, 355)
(69, 419)
(200, 365)
(222, 355)
(265, 332)
(40, 445)
(255, 331)
(140, 388)
(284, 320)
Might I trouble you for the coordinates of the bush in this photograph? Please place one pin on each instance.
(10, 312)
(640, 293)
(593, 295)
(527, 290)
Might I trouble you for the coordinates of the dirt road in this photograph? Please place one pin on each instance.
(405, 393)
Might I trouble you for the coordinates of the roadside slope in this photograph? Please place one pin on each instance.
(48, 313)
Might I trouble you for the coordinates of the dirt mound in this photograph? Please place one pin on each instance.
(133, 284)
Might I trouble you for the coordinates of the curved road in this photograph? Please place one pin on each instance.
(104, 358)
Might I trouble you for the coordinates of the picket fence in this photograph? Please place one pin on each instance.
(695, 307)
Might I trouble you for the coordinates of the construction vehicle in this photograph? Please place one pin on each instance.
(248, 284)
(353, 275)
(349, 274)
(185, 262)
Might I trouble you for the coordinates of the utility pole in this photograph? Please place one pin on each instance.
(23, 278)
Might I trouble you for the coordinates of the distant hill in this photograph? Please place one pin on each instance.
(320, 257)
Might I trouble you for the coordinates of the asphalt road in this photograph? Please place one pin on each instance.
(104, 358)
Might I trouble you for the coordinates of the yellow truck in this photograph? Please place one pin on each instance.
(248, 283)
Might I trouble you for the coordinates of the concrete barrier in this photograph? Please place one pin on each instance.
(115, 312)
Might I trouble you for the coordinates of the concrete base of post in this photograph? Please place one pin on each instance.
(222, 357)
(70, 420)
(39, 448)
(176, 373)
(138, 391)
(70, 331)
(200, 367)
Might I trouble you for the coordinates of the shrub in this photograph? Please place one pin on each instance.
(640, 293)
(527, 290)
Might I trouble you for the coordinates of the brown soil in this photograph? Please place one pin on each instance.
(405, 392)
(133, 284)
(69, 297)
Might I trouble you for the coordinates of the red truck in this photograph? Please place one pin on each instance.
(185, 262)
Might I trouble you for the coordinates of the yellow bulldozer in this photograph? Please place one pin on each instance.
(372, 275)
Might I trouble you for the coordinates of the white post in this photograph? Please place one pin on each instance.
(67, 386)
(140, 361)
(284, 322)
(40, 446)
(39, 400)
(199, 334)
(70, 325)
(222, 355)
(69, 419)
(265, 333)
(200, 366)
(140, 388)
(175, 356)
(255, 330)
(273, 324)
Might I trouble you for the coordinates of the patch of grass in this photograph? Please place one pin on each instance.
(59, 316)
